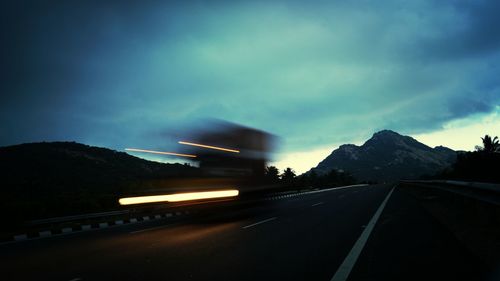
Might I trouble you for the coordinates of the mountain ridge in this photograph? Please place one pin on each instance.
(388, 156)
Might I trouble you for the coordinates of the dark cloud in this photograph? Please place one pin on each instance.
(475, 33)
(114, 73)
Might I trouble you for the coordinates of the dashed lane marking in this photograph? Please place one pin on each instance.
(260, 222)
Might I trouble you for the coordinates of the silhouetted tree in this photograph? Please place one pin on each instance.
(480, 165)
(333, 178)
(490, 144)
(272, 174)
(288, 175)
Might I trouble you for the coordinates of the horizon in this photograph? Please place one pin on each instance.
(310, 159)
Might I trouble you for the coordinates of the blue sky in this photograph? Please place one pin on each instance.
(316, 73)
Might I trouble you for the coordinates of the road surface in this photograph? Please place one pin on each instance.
(331, 235)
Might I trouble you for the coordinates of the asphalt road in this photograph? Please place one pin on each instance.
(306, 237)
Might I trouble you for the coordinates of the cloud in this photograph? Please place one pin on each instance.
(319, 74)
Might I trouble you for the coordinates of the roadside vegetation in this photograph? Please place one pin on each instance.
(288, 178)
(481, 165)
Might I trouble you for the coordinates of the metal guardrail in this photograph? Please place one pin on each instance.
(486, 192)
(479, 185)
(78, 217)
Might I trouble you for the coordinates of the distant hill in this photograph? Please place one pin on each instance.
(50, 178)
(57, 162)
(388, 156)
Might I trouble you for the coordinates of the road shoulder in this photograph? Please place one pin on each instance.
(409, 244)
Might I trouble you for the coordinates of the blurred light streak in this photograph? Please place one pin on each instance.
(209, 146)
(178, 197)
(160, 152)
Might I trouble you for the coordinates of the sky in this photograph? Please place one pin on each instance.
(316, 73)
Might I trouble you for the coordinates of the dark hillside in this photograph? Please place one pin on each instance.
(60, 178)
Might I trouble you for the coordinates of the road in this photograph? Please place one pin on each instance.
(305, 237)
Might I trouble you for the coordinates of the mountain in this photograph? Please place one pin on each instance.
(55, 178)
(388, 156)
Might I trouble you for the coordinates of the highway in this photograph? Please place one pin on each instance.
(305, 237)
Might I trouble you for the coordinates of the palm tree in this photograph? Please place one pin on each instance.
(288, 175)
(272, 173)
(490, 145)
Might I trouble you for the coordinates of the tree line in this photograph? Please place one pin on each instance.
(313, 179)
(482, 165)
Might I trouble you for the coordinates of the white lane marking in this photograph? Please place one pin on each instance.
(257, 223)
(276, 197)
(336, 188)
(316, 204)
(76, 279)
(345, 268)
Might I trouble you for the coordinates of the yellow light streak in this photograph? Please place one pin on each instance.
(178, 197)
(209, 146)
(160, 152)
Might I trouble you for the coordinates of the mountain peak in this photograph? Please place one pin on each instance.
(386, 156)
(386, 133)
(348, 145)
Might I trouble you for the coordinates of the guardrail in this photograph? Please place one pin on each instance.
(55, 226)
(79, 217)
(486, 192)
(479, 185)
